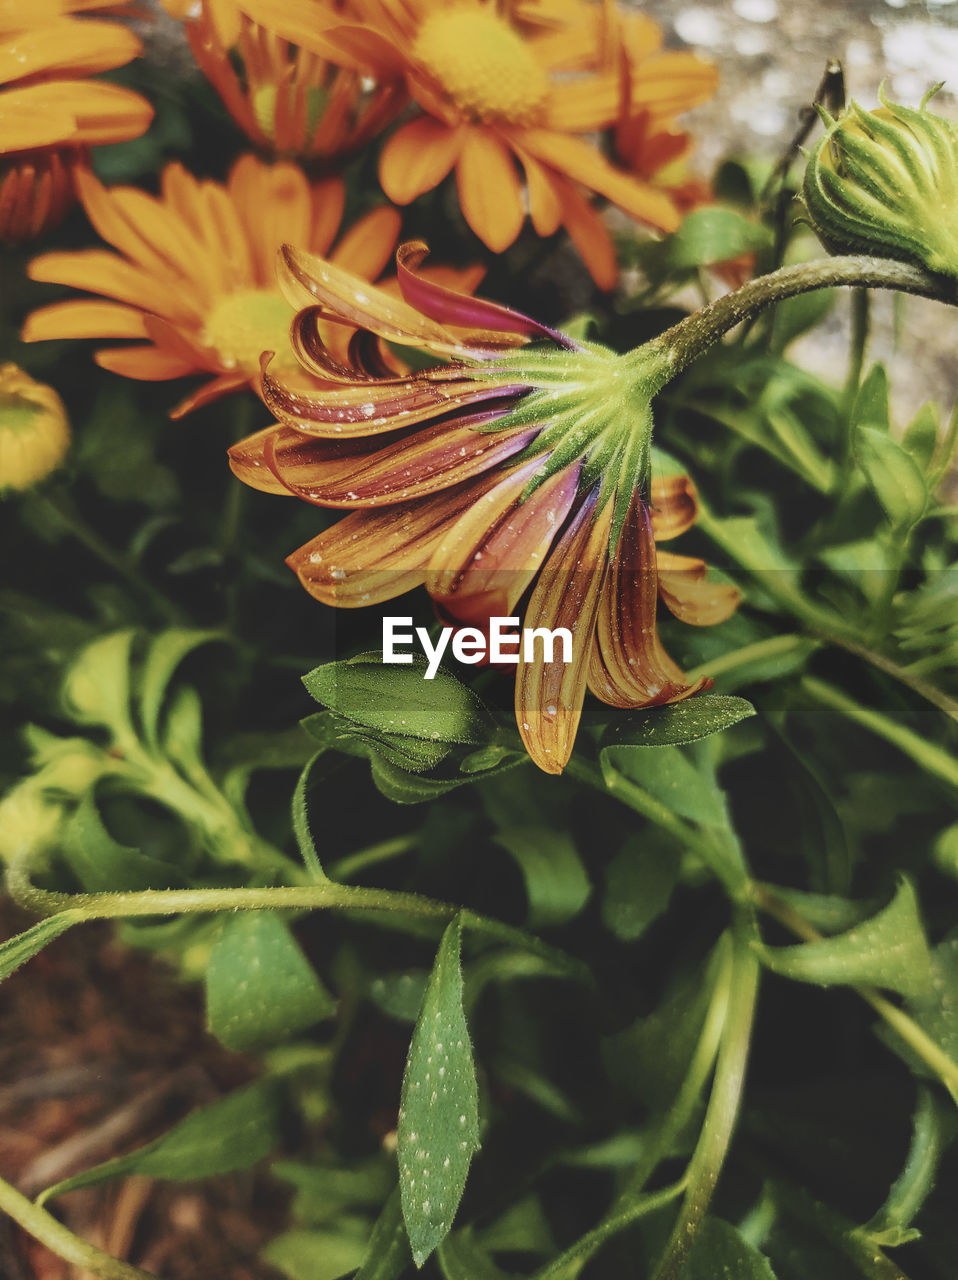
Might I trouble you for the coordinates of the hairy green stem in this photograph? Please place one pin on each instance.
(43, 1226)
(692, 337)
(326, 894)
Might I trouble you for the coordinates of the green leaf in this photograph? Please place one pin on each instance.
(387, 1253)
(164, 655)
(399, 700)
(233, 1133)
(400, 994)
(260, 988)
(887, 950)
(301, 830)
(557, 885)
(892, 475)
(722, 1253)
(24, 946)
(932, 1130)
(936, 1011)
(638, 885)
(461, 1257)
(97, 686)
(314, 1255)
(523, 1228)
(102, 865)
(713, 235)
(681, 722)
(871, 403)
(921, 436)
(669, 775)
(438, 1128)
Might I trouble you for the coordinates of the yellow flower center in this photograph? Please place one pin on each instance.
(34, 434)
(245, 324)
(485, 66)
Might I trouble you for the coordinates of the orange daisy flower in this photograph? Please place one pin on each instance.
(49, 109)
(518, 465)
(499, 89)
(286, 99)
(194, 277)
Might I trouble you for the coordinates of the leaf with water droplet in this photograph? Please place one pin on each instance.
(438, 1130)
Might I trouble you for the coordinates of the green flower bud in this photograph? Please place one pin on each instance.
(885, 182)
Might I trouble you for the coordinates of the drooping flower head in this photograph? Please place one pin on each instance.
(515, 470)
(49, 108)
(34, 431)
(194, 277)
(510, 97)
(288, 100)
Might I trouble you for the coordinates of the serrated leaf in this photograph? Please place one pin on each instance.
(233, 1133)
(557, 885)
(638, 886)
(887, 950)
(680, 722)
(399, 700)
(24, 946)
(721, 1251)
(164, 655)
(438, 1130)
(892, 475)
(102, 864)
(387, 1253)
(260, 988)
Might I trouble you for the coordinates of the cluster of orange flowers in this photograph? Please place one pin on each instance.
(539, 108)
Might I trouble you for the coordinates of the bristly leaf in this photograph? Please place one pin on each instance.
(387, 1253)
(24, 946)
(439, 1117)
(671, 726)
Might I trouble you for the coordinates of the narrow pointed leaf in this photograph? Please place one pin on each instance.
(24, 946)
(439, 1117)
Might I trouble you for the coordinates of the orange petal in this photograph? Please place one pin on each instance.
(586, 105)
(486, 562)
(368, 246)
(248, 463)
(490, 193)
(99, 271)
(583, 163)
(365, 473)
(307, 279)
(417, 158)
(629, 666)
(146, 364)
(588, 233)
(66, 44)
(83, 319)
(208, 392)
(371, 556)
(545, 206)
(101, 112)
(674, 506)
(685, 589)
(672, 82)
(549, 695)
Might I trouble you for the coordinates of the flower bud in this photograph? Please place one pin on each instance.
(34, 433)
(885, 182)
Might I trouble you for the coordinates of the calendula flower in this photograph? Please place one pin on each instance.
(194, 276)
(511, 100)
(49, 108)
(34, 431)
(518, 465)
(286, 99)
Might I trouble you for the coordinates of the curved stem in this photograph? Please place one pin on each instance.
(326, 894)
(44, 1227)
(691, 337)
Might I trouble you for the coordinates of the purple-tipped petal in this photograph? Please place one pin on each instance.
(451, 308)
